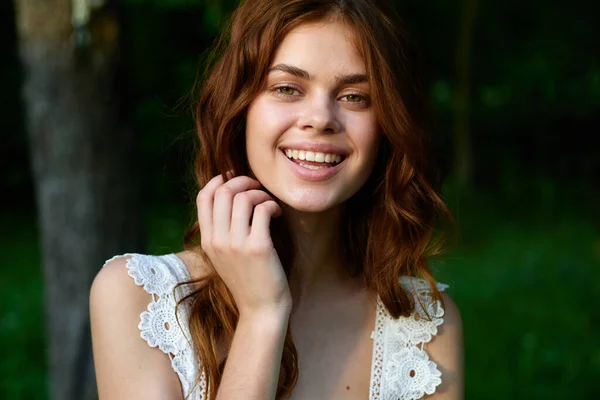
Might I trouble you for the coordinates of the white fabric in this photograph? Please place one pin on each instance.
(159, 326)
(400, 368)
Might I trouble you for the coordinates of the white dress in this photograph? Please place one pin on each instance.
(400, 368)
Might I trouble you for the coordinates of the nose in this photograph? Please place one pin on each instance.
(320, 115)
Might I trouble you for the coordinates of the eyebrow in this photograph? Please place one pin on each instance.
(350, 79)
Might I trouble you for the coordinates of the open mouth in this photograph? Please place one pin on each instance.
(313, 160)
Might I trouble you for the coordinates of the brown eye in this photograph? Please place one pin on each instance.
(356, 99)
(286, 90)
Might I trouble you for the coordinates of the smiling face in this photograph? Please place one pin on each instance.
(315, 105)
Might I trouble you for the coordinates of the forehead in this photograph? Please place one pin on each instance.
(320, 48)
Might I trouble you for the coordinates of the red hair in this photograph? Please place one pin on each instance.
(389, 224)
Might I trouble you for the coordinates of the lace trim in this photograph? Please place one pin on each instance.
(400, 370)
(158, 325)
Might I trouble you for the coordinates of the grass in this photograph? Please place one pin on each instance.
(527, 283)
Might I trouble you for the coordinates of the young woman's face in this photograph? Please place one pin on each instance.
(315, 106)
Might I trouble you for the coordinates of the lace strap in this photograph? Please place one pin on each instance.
(401, 367)
(419, 285)
(157, 274)
(163, 324)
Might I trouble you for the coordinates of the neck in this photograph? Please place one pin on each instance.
(317, 271)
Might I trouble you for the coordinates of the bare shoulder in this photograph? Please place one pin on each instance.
(446, 350)
(451, 312)
(113, 276)
(126, 367)
(113, 287)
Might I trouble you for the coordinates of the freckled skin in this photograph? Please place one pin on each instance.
(316, 110)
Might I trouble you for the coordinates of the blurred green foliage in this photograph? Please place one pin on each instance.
(526, 270)
(527, 279)
(527, 287)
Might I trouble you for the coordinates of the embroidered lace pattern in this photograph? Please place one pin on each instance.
(401, 369)
(159, 325)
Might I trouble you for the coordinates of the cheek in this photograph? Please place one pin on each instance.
(366, 136)
(266, 122)
(372, 143)
(367, 141)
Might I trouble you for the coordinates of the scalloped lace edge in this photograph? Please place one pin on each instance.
(180, 352)
(182, 355)
(379, 388)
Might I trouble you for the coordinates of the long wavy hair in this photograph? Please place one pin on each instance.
(390, 225)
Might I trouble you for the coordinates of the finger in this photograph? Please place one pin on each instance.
(223, 204)
(229, 174)
(204, 204)
(243, 205)
(261, 220)
(215, 182)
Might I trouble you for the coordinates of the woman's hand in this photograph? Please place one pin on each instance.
(241, 249)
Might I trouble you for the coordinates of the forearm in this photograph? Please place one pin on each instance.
(252, 368)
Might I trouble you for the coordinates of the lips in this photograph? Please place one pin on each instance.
(325, 172)
(311, 158)
(316, 147)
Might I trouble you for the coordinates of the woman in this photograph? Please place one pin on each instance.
(315, 222)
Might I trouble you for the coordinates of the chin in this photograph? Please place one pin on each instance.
(309, 208)
(310, 201)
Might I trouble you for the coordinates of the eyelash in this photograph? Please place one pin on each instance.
(286, 96)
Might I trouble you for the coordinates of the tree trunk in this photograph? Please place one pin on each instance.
(462, 139)
(84, 171)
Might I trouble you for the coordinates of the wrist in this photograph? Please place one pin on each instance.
(268, 311)
(265, 320)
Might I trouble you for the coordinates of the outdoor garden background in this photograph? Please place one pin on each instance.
(515, 89)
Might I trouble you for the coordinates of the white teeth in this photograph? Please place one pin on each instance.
(313, 167)
(314, 156)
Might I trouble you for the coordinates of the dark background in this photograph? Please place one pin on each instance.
(526, 269)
